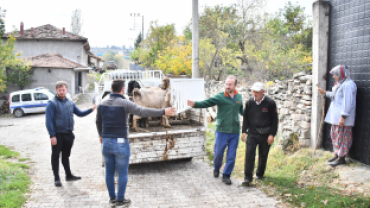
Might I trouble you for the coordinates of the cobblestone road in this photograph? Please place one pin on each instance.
(165, 184)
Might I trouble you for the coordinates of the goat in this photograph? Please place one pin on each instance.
(153, 97)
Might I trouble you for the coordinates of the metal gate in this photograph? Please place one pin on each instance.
(349, 43)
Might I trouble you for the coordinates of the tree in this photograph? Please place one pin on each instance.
(250, 13)
(3, 57)
(214, 25)
(137, 41)
(176, 58)
(76, 23)
(159, 38)
(20, 74)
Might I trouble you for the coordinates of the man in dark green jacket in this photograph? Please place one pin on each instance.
(230, 105)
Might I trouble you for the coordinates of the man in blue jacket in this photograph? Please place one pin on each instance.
(59, 123)
(111, 123)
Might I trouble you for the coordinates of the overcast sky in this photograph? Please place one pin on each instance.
(108, 22)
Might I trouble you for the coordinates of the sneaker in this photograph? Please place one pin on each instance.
(73, 178)
(216, 173)
(226, 179)
(259, 177)
(112, 202)
(124, 203)
(57, 183)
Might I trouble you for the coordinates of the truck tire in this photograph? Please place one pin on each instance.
(18, 113)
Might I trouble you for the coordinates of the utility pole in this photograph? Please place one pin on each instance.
(136, 26)
(195, 41)
(142, 29)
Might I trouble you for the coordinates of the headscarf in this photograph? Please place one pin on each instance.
(342, 72)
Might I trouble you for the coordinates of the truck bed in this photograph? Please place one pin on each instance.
(156, 143)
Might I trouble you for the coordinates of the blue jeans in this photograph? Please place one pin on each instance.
(230, 141)
(116, 155)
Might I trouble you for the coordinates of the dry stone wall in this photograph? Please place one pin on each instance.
(294, 101)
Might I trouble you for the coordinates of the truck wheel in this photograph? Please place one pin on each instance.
(18, 113)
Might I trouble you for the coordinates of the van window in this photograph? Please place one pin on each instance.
(15, 98)
(40, 96)
(26, 97)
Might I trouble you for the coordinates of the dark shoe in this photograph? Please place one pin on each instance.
(246, 182)
(226, 179)
(112, 202)
(338, 161)
(259, 177)
(57, 183)
(124, 203)
(332, 159)
(216, 173)
(73, 178)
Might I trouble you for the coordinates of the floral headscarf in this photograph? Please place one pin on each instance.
(342, 72)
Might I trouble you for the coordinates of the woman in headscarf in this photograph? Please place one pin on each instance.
(341, 113)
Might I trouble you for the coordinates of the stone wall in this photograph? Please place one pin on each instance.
(294, 100)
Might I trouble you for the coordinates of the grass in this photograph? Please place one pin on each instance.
(14, 180)
(300, 179)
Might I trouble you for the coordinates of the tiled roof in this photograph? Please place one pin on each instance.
(89, 53)
(47, 32)
(53, 61)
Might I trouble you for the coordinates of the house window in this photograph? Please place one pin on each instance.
(26, 97)
(15, 98)
(40, 96)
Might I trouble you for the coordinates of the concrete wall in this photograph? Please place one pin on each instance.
(43, 78)
(321, 11)
(69, 50)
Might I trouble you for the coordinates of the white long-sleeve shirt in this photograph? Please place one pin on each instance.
(344, 103)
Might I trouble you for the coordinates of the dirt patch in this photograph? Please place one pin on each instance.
(170, 144)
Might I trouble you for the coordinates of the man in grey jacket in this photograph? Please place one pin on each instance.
(112, 125)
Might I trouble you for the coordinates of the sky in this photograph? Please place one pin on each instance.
(109, 22)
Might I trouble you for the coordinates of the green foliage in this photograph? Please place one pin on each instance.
(175, 59)
(18, 72)
(7, 153)
(14, 180)
(138, 41)
(134, 55)
(238, 39)
(158, 39)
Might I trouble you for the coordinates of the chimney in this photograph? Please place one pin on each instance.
(64, 31)
(22, 29)
(32, 34)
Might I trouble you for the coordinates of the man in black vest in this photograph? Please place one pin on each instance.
(260, 121)
(111, 122)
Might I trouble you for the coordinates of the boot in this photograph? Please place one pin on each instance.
(332, 159)
(338, 161)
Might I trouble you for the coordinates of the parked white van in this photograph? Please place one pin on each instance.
(30, 101)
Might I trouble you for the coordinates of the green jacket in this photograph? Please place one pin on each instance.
(227, 113)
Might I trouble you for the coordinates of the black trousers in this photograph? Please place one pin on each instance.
(64, 146)
(253, 140)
